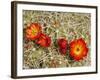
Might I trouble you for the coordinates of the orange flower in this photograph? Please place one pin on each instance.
(78, 49)
(44, 40)
(33, 31)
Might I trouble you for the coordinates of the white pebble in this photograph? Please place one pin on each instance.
(34, 49)
(60, 62)
(51, 57)
(57, 31)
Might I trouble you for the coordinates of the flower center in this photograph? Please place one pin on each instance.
(77, 49)
(34, 31)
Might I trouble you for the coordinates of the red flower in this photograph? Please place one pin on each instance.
(63, 51)
(78, 49)
(33, 31)
(62, 43)
(44, 40)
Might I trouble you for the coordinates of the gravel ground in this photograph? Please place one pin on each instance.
(55, 24)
